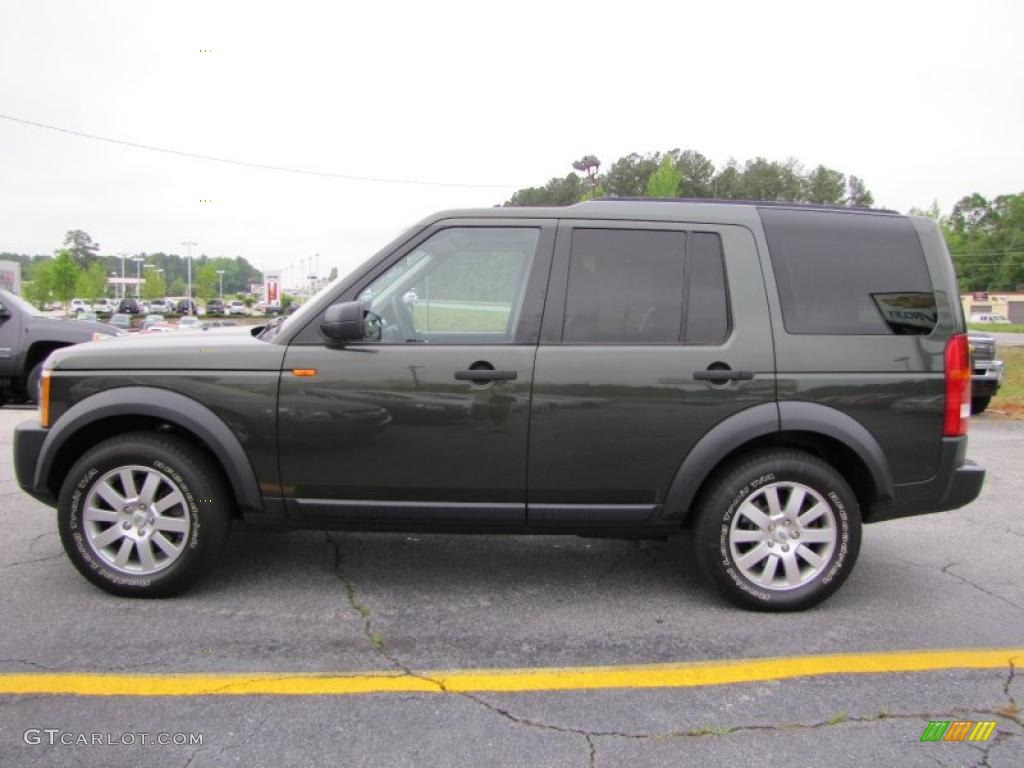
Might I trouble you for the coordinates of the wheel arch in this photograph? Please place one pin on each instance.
(819, 430)
(127, 409)
(37, 352)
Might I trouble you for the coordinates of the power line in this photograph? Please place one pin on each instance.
(264, 166)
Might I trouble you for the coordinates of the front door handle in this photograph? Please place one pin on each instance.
(722, 374)
(482, 374)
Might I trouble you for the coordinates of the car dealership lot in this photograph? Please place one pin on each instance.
(401, 605)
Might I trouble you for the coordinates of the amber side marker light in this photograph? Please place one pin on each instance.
(44, 399)
(303, 371)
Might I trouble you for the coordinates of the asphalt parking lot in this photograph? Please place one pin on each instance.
(414, 609)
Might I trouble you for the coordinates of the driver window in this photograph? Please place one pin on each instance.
(462, 285)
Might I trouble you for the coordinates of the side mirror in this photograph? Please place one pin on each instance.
(4, 312)
(344, 322)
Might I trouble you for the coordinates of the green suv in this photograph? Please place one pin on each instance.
(767, 377)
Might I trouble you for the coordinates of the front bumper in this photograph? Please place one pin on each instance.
(28, 443)
(986, 378)
(956, 484)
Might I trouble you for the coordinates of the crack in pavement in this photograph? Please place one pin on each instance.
(29, 562)
(28, 663)
(945, 569)
(590, 736)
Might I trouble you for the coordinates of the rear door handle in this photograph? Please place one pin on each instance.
(482, 374)
(723, 375)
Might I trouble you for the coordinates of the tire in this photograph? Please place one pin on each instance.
(979, 404)
(182, 521)
(32, 383)
(736, 540)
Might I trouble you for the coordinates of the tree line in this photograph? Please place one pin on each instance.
(688, 173)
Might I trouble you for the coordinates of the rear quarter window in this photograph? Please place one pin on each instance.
(849, 273)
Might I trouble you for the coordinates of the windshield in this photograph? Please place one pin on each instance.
(10, 299)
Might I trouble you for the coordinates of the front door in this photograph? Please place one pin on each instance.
(426, 420)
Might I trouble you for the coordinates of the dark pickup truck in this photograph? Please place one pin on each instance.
(986, 371)
(27, 336)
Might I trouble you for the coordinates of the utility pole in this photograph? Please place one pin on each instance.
(138, 277)
(188, 244)
(220, 277)
(121, 291)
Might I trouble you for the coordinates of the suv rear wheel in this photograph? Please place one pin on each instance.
(143, 514)
(778, 531)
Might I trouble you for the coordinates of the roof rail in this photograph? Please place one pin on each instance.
(758, 203)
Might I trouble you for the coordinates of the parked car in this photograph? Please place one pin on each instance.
(215, 307)
(984, 317)
(27, 337)
(161, 307)
(768, 377)
(104, 306)
(129, 307)
(78, 305)
(187, 307)
(122, 321)
(207, 324)
(189, 323)
(89, 317)
(237, 308)
(986, 371)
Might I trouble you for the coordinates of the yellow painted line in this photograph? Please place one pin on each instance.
(681, 675)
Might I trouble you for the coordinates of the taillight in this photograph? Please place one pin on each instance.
(958, 386)
(44, 399)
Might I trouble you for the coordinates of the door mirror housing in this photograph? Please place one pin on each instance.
(4, 312)
(344, 322)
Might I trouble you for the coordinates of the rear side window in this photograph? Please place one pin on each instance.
(849, 274)
(645, 287)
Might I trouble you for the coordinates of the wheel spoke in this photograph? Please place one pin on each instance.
(97, 515)
(769, 570)
(172, 524)
(128, 483)
(812, 514)
(149, 488)
(817, 536)
(810, 556)
(167, 502)
(124, 552)
(756, 555)
(167, 547)
(795, 502)
(771, 493)
(754, 515)
(106, 492)
(744, 536)
(108, 537)
(792, 568)
(146, 559)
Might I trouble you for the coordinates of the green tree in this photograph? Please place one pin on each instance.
(177, 287)
(857, 194)
(665, 180)
(627, 176)
(39, 289)
(826, 186)
(154, 286)
(81, 247)
(556, 192)
(92, 282)
(64, 274)
(697, 173)
(206, 281)
(728, 183)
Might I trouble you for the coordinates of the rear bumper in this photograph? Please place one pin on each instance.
(986, 378)
(28, 443)
(956, 483)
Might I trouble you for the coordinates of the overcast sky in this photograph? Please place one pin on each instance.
(923, 100)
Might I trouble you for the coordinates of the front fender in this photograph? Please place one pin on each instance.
(167, 406)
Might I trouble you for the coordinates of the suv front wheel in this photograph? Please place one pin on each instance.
(143, 514)
(778, 531)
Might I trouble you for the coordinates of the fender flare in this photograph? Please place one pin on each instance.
(167, 406)
(765, 419)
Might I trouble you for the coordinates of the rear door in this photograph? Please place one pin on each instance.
(426, 420)
(654, 333)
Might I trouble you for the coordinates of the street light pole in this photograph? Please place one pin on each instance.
(189, 244)
(138, 276)
(220, 277)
